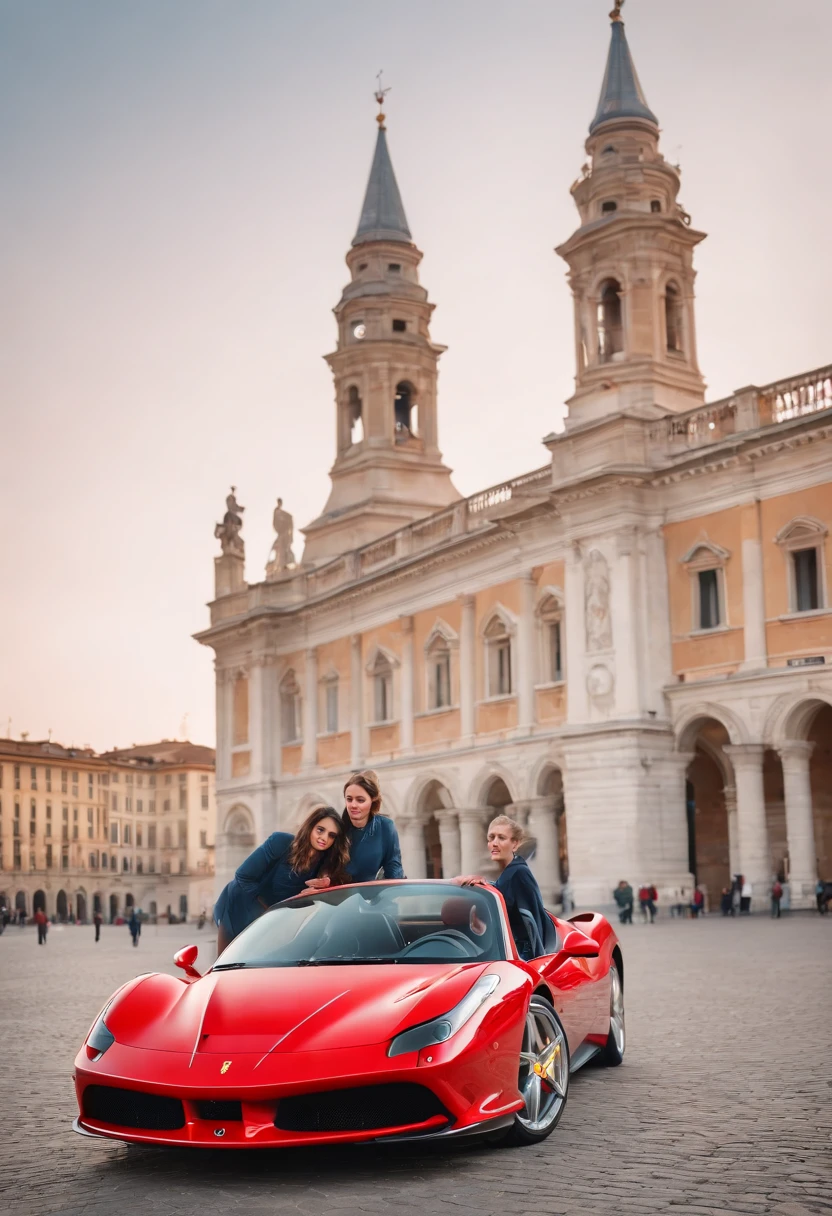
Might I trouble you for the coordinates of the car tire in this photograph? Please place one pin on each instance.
(543, 1079)
(613, 1053)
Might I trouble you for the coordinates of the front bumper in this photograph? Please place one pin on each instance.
(475, 1081)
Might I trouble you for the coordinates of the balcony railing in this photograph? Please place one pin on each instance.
(467, 515)
(747, 410)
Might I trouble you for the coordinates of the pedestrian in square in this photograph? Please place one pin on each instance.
(623, 896)
(43, 925)
(746, 891)
(135, 927)
(776, 896)
(726, 904)
(96, 920)
(697, 902)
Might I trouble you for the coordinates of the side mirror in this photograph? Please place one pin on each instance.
(185, 958)
(578, 945)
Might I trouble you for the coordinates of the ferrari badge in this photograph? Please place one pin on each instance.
(226, 1064)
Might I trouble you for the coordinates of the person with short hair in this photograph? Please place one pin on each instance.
(527, 915)
(43, 926)
(283, 866)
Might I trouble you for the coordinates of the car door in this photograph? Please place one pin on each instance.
(574, 985)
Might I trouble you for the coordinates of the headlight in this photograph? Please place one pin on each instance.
(442, 1028)
(99, 1039)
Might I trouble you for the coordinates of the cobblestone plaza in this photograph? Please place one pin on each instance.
(723, 1104)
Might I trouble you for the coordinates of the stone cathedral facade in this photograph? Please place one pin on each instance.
(627, 648)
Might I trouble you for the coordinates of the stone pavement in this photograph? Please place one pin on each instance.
(723, 1104)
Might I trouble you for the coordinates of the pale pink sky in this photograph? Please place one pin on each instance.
(181, 183)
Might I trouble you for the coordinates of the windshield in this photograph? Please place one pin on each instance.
(373, 923)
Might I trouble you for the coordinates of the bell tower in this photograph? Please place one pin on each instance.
(388, 469)
(630, 261)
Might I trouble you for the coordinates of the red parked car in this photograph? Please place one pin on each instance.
(381, 1011)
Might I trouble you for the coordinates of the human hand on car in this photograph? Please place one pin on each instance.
(467, 880)
(318, 884)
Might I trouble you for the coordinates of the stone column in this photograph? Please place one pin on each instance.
(800, 824)
(256, 734)
(309, 753)
(472, 840)
(577, 707)
(412, 841)
(730, 796)
(755, 859)
(543, 827)
(406, 712)
(753, 605)
(624, 628)
(356, 703)
(451, 845)
(525, 655)
(468, 667)
(223, 725)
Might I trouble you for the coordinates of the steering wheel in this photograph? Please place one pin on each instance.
(448, 937)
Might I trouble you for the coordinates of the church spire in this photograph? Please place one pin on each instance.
(621, 93)
(382, 216)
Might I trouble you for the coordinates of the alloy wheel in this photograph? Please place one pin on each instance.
(617, 1009)
(544, 1069)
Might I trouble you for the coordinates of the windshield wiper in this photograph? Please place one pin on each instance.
(341, 960)
(228, 966)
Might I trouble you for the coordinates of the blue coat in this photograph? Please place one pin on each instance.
(374, 848)
(518, 887)
(265, 876)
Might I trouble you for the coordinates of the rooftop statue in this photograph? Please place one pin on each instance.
(228, 532)
(281, 557)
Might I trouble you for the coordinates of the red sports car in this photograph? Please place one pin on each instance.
(381, 1011)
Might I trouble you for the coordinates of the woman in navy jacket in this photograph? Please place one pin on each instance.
(372, 837)
(517, 885)
(283, 866)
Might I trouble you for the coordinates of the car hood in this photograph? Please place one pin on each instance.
(287, 1009)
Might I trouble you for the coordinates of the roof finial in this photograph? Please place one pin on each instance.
(380, 95)
(615, 15)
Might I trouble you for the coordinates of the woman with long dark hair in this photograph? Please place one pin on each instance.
(283, 866)
(372, 837)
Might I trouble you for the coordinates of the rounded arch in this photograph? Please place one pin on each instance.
(691, 720)
(791, 718)
(239, 823)
(98, 902)
(113, 907)
(20, 902)
(61, 905)
(430, 793)
(541, 776)
(39, 901)
(81, 905)
(482, 785)
(309, 803)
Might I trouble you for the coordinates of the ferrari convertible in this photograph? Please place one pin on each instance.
(385, 1011)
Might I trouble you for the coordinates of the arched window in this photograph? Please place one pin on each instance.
(354, 413)
(439, 673)
(498, 658)
(673, 318)
(290, 716)
(803, 543)
(405, 411)
(610, 327)
(550, 618)
(382, 674)
(330, 699)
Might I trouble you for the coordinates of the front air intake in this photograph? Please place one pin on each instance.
(364, 1109)
(133, 1108)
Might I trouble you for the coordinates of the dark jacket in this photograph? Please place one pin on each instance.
(265, 877)
(134, 925)
(518, 887)
(374, 848)
(623, 896)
